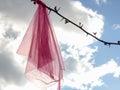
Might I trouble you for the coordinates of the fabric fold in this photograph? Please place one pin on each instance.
(45, 64)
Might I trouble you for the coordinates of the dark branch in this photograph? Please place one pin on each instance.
(56, 10)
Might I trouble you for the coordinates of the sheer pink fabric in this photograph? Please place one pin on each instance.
(45, 64)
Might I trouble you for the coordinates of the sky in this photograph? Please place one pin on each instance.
(89, 64)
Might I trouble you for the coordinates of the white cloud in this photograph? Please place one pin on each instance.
(75, 45)
(101, 1)
(66, 34)
(116, 26)
(85, 74)
(72, 35)
(11, 72)
(28, 86)
(16, 9)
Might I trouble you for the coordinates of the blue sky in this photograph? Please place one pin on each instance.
(111, 15)
(89, 64)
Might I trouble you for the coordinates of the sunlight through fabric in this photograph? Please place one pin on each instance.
(45, 64)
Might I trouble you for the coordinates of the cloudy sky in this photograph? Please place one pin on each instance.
(89, 64)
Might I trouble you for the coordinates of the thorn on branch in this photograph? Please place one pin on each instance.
(34, 2)
(105, 43)
(80, 24)
(94, 33)
(56, 9)
(66, 21)
(118, 42)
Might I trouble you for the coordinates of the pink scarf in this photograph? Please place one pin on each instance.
(45, 64)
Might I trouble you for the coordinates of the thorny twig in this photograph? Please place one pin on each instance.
(56, 10)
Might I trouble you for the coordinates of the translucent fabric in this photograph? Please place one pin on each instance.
(45, 64)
